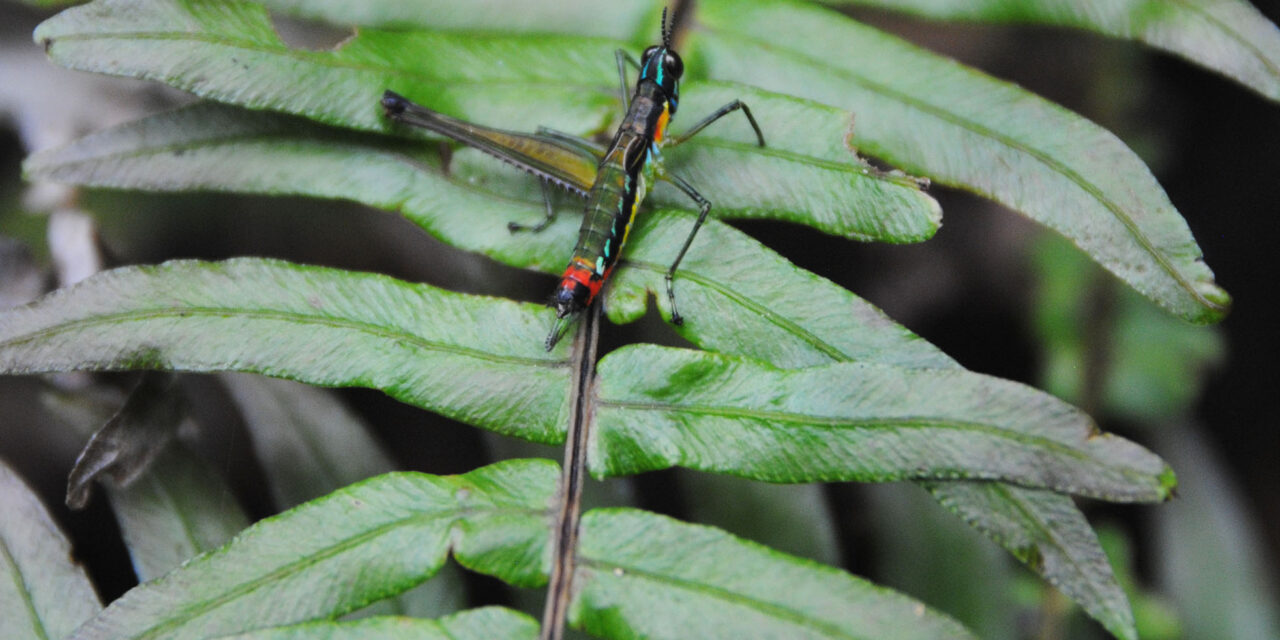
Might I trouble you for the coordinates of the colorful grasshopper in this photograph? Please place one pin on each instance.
(614, 180)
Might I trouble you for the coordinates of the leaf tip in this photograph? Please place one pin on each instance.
(1216, 300)
(46, 31)
(1168, 484)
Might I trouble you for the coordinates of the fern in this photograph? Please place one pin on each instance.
(796, 381)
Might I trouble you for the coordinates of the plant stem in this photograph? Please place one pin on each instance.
(565, 534)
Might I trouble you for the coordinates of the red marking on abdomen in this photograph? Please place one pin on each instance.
(577, 273)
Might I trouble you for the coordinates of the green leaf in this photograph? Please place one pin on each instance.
(808, 321)
(485, 623)
(931, 116)
(321, 326)
(795, 318)
(737, 294)
(1227, 36)
(246, 269)
(832, 323)
(644, 575)
(619, 20)
(1049, 534)
(229, 53)
(255, 315)
(311, 444)
(660, 407)
(352, 547)
(808, 173)
(174, 511)
(126, 319)
(43, 594)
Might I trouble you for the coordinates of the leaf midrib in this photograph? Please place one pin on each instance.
(783, 612)
(293, 317)
(897, 422)
(1050, 535)
(859, 170)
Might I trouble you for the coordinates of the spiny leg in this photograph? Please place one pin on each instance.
(704, 207)
(551, 214)
(719, 113)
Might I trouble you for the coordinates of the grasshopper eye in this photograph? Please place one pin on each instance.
(648, 53)
(673, 64)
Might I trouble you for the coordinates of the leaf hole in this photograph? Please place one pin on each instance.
(310, 35)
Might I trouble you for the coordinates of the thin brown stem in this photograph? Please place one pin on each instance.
(1099, 332)
(565, 535)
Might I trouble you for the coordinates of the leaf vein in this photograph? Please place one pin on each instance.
(761, 310)
(901, 422)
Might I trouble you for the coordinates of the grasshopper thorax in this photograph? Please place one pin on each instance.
(663, 66)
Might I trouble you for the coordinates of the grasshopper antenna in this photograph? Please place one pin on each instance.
(666, 30)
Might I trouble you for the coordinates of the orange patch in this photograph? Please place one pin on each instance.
(660, 131)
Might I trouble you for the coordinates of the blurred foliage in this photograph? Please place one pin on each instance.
(1148, 367)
